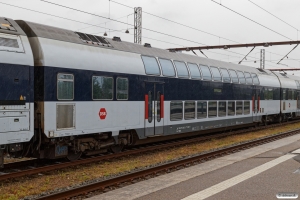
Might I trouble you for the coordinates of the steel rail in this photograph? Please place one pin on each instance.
(142, 149)
(163, 168)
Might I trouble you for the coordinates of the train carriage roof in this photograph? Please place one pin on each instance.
(43, 31)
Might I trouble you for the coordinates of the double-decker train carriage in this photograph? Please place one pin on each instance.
(93, 94)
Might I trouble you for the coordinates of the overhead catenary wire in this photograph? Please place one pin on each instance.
(81, 22)
(273, 15)
(77, 21)
(118, 21)
(75, 9)
(288, 53)
(177, 22)
(128, 24)
(104, 22)
(251, 20)
(183, 25)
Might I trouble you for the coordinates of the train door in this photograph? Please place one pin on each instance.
(298, 103)
(256, 105)
(154, 108)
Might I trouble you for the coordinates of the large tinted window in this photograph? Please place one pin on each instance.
(246, 107)
(241, 77)
(255, 79)
(231, 108)
(189, 110)
(268, 93)
(212, 109)
(151, 66)
(167, 67)
(102, 88)
(248, 78)
(195, 73)
(290, 94)
(225, 74)
(205, 72)
(201, 109)
(182, 71)
(65, 87)
(175, 111)
(216, 74)
(239, 108)
(122, 88)
(222, 109)
(284, 96)
(234, 76)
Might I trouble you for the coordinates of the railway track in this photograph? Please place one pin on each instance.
(13, 170)
(81, 192)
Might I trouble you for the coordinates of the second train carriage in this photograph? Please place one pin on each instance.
(92, 93)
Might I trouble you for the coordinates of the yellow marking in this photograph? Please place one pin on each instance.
(6, 25)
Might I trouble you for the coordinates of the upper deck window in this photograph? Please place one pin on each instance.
(216, 73)
(225, 74)
(195, 73)
(248, 78)
(234, 76)
(151, 65)
(241, 77)
(167, 67)
(182, 71)
(205, 72)
(255, 79)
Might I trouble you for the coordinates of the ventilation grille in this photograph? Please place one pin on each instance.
(284, 75)
(6, 42)
(65, 116)
(6, 25)
(261, 70)
(93, 39)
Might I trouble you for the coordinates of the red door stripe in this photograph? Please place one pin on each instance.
(162, 106)
(146, 106)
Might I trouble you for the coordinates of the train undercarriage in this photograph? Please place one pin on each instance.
(73, 147)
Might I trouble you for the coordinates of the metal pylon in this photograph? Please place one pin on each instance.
(138, 25)
(262, 59)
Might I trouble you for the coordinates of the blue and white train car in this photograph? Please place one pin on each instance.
(92, 93)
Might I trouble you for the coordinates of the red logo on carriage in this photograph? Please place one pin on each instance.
(102, 113)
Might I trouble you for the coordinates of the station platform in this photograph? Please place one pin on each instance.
(269, 171)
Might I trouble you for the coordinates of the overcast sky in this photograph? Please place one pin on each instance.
(204, 15)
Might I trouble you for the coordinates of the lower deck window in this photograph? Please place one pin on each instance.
(231, 108)
(212, 109)
(239, 108)
(122, 88)
(222, 109)
(189, 110)
(201, 109)
(268, 94)
(102, 88)
(246, 107)
(175, 111)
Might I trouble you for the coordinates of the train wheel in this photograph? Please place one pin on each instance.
(117, 148)
(73, 155)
